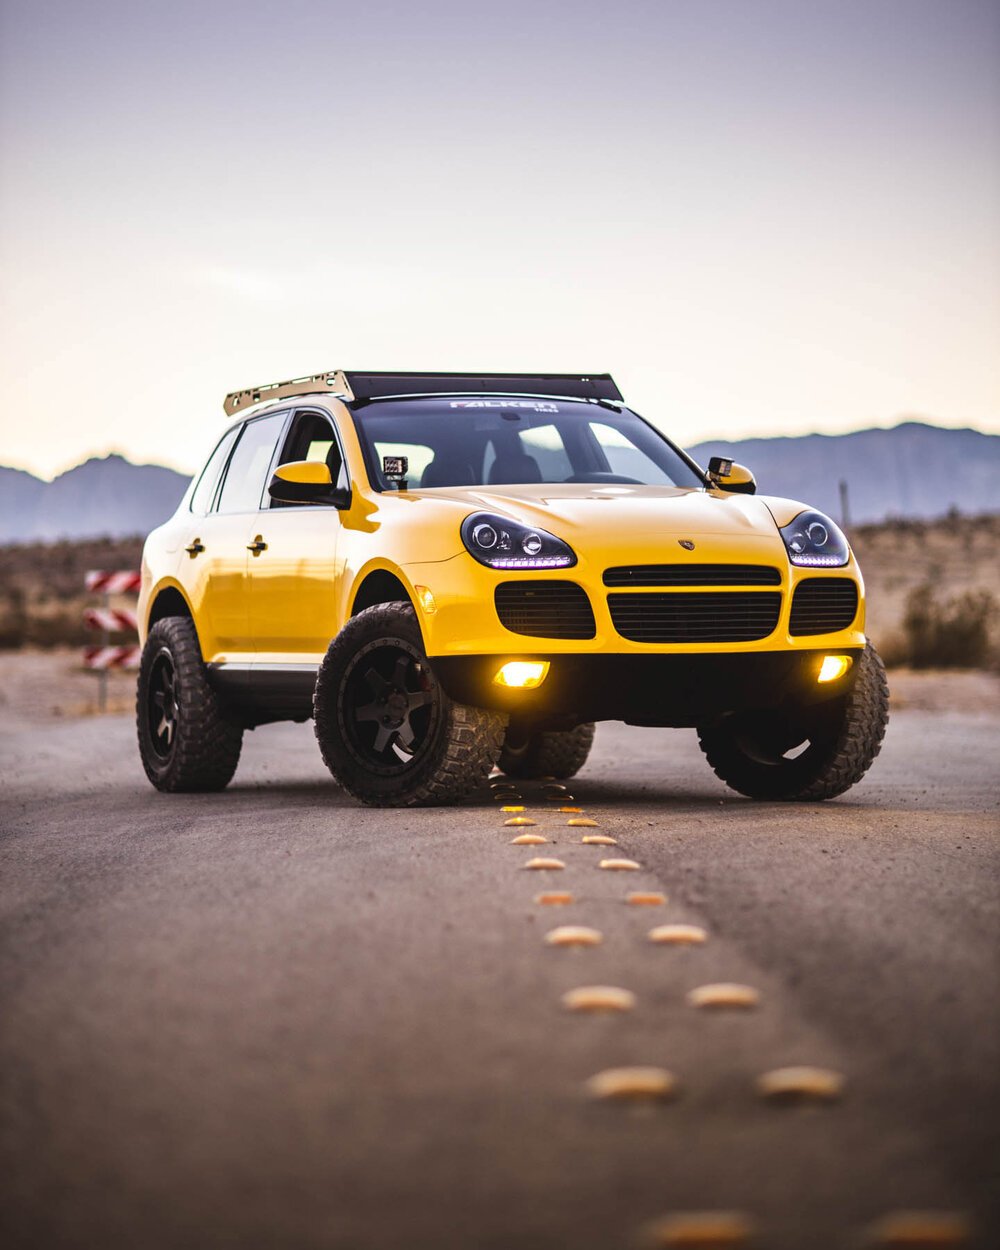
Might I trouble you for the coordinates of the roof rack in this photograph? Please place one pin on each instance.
(354, 386)
(333, 382)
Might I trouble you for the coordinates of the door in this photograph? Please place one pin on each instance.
(293, 582)
(222, 608)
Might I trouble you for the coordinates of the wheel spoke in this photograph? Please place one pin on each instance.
(399, 673)
(383, 737)
(160, 700)
(406, 735)
(419, 698)
(371, 711)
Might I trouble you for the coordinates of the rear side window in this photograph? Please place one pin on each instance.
(244, 484)
(201, 499)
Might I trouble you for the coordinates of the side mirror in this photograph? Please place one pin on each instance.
(728, 475)
(307, 481)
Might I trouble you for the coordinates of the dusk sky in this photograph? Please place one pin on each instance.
(763, 216)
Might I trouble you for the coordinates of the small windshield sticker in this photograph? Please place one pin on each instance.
(395, 467)
(536, 405)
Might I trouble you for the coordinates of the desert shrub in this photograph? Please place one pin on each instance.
(953, 633)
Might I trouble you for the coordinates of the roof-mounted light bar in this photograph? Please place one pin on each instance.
(334, 382)
(354, 386)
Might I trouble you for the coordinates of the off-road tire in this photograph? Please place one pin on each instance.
(555, 753)
(836, 758)
(205, 741)
(452, 758)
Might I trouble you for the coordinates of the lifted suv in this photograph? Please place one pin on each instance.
(452, 571)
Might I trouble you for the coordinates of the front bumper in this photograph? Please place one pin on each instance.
(668, 690)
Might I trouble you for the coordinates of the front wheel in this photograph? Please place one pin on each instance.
(768, 756)
(386, 729)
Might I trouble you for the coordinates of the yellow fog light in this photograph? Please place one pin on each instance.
(426, 599)
(522, 674)
(834, 666)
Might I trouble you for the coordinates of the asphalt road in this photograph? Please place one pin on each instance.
(273, 1019)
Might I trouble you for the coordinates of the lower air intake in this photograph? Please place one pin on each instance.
(824, 605)
(545, 609)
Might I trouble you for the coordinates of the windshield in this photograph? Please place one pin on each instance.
(498, 441)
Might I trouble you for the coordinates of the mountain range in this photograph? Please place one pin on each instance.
(913, 470)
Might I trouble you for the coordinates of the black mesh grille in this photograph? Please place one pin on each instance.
(822, 605)
(729, 616)
(545, 609)
(692, 575)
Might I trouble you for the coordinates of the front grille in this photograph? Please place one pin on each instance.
(823, 605)
(692, 575)
(545, 609)
(728, 616)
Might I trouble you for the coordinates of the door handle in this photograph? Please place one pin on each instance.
(196, 548)
(258, 545)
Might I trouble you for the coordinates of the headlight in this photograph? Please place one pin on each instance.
(503, 544)
(812, 539)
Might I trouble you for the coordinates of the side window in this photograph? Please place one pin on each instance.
(201, 499)
(250, 462)
(311, 437)
(627, 460)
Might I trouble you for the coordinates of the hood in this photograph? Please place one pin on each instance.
(629, 524)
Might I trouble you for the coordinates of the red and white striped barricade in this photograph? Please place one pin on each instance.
(102, 658)
(110, 621)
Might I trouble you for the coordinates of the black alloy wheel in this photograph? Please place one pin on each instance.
(386, 728)
(187, 739)
(161, 705)
(388, 714)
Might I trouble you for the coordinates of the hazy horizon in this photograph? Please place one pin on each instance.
(765, 219)
(191, 469)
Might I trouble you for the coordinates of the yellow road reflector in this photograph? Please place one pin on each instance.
(520, 820)
(598, 998)
(724, 994)
(679, 934)
(512, 807)
(554, 898)
(908, 1230)
(528, 839)
(541, 864)
(597, 839)
(833, 666)
(569, 809)
(626, 1084)
(619, 865)
(801, 1084)
(645, 898)
(699, 1230)
(522, 674)
(582, 822)
(574, 935)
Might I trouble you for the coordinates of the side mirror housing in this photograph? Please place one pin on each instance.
(728, 475)
(307, 481)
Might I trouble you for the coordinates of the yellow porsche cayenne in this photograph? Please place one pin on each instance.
(451, 571)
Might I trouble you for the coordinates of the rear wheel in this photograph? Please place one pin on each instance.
(770, 756)
(386, 729)
(186, 739)
(557, 753)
